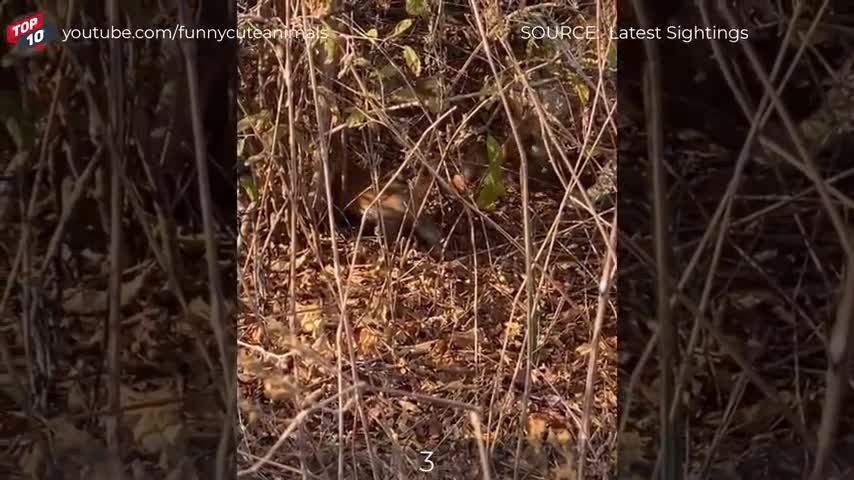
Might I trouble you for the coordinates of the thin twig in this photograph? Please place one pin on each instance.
(609, 268)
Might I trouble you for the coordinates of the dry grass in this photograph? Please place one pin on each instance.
(356, 357)
(757, 244)
(114, 339)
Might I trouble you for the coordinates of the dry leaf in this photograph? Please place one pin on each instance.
(368, 340)
(409, 407)
(537, 428)
(278, 389)
(309, 317)
(560, 436)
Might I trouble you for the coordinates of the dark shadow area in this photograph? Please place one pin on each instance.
(754, 255)
(118, 294)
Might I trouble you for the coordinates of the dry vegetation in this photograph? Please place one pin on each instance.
(356, 356)
(757, 245)
(109, 362)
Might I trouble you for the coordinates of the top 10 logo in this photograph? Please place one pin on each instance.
(30, 33)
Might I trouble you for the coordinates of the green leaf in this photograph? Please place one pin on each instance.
(493, 151)
(248, 185)
(581, 90)
(372, 34)
(330, 44)
(257, 120)
(401, 27)
(356, 119)
(412, 60)
(492, 188)
(612, 55)
(416, 8)
(384, 72)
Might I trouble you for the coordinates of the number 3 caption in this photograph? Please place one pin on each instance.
(427, 465)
